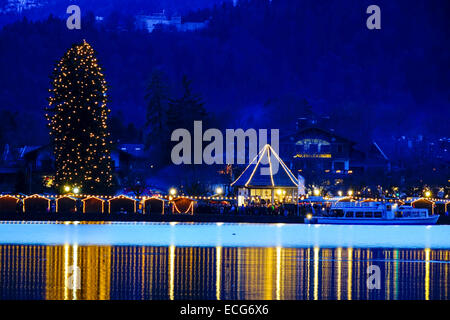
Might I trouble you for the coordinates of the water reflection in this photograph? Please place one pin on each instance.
(72, 272)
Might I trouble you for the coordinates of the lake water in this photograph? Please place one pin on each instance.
(221, 261)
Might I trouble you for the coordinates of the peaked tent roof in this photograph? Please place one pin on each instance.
(266, 158)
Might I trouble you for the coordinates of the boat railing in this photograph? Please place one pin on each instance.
(356, 205)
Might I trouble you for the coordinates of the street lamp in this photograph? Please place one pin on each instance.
(350, 192)
(340, 193)
(428, 193)
(173, 191)
(76, 190)
(316, 192)
(219, 190)
(66, 188)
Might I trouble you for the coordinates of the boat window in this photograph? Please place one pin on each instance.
(399, 214)
(368, 214)
(349, 214)
(359, 214)
(377, 214)
(337, 213)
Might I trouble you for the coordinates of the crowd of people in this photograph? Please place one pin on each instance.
(255, 208)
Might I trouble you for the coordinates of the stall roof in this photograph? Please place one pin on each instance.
(267, 159)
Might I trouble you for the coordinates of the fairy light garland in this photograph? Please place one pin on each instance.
(77, 117)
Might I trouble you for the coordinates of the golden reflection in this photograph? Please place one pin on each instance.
(74, 272)
(71, 272)
(269, 266)
(75, 283)
(427, 274)
(239, 262)
(218, 270)
(388, 274)
(138, 272)
(395, 274)
(349, 273)
(326, 273)
(278, 284)
(446, 271)
(339, 270)
(171, 271)
(308, 267)
(66, 272)
(259, 273)
(316, 273)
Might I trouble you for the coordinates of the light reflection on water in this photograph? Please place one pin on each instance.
(146, 272)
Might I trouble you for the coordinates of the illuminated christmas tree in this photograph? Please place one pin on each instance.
(78, 123)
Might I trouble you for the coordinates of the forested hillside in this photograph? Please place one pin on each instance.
(256, 63)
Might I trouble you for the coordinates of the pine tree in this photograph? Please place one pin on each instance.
(185, 110)
(156, 116)
(78, 122)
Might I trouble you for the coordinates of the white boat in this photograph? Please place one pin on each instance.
(373, 213)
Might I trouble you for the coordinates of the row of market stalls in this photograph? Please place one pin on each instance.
(95, 205)
(266, 180)
(159, 205)
(434, 206)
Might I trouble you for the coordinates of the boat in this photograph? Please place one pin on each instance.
(374, 213)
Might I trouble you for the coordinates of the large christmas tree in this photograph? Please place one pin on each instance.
(78, 123)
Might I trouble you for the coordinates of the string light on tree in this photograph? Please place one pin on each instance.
(77, 120)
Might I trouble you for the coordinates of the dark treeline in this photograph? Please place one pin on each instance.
(255, 64)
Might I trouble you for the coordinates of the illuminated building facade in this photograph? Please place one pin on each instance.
(324, 157)
(276, 184)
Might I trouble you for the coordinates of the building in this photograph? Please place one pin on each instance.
(325, 158)
(18, 6)
(23, 167)
(150, 22)
(30, 169)
(267, 178)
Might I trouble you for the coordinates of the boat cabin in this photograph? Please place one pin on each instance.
(375, 210)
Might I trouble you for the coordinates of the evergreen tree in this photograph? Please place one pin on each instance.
(182, 112)
(78, 122)
(157, 108)
(185, 110)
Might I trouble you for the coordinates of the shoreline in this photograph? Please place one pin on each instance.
(196, 218)
(114, 217)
